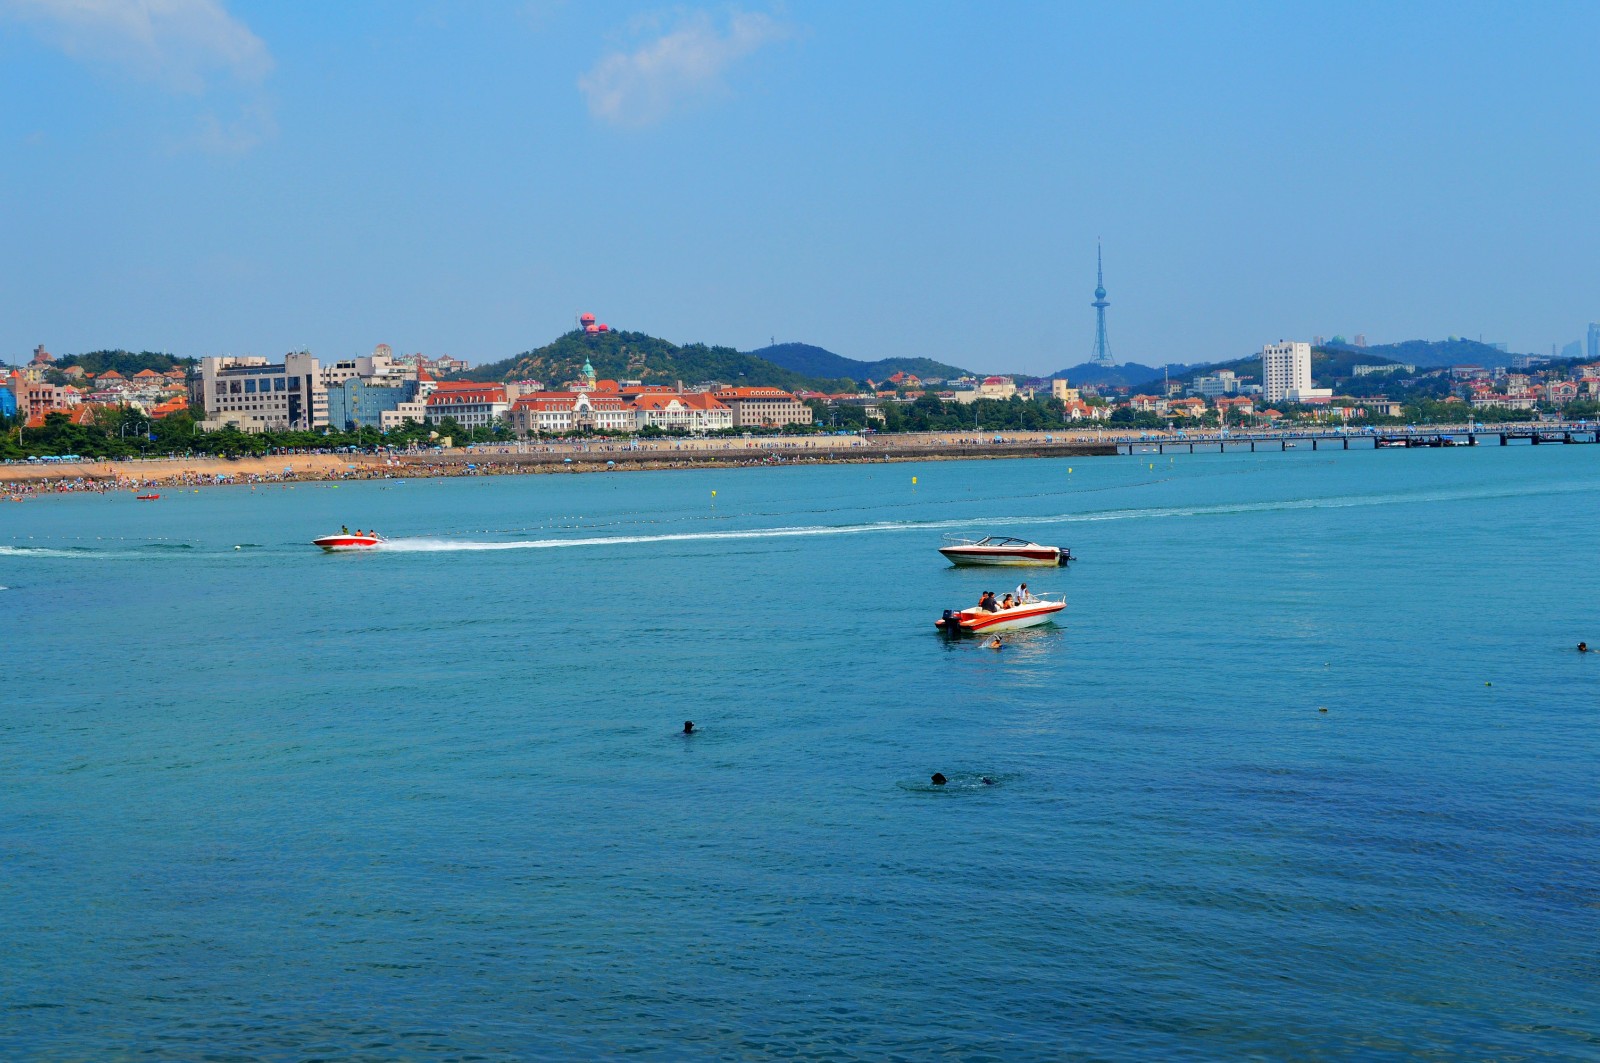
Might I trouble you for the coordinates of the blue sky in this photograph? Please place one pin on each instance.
(884, 179)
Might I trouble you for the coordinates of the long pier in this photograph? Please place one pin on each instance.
(1364, 439)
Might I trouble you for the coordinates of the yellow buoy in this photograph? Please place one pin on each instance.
(713, 494)
(913, 481)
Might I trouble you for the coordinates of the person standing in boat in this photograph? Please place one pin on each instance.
(1022, 594)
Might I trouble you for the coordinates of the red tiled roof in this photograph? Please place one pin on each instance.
(753, 393)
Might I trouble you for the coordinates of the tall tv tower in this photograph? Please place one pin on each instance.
(1102, 349)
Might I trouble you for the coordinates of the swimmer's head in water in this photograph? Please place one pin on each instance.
(688, 727)
(939, 779)
(988, 781)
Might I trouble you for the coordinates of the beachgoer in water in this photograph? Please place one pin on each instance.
(688, 727)
(988, 781)
(939, 779)
(995, 645)
(1583, 647)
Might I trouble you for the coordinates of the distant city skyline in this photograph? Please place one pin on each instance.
(893, 180)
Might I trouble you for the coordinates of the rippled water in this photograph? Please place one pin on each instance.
(431, 802)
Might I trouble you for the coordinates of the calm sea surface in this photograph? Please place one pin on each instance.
(257, 802)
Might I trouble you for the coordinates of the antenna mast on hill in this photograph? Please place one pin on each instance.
(1102, 349)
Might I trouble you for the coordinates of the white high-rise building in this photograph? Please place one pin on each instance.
(1286, 373)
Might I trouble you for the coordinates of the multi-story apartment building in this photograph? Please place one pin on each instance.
(1286, 374)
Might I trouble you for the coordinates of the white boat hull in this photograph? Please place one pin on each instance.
(979, 555)
(347, 541)
(982, 622)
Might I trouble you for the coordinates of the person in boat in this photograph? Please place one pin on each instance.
(1007, 603)
(344, 529)
(1023, 594)
(986, 602)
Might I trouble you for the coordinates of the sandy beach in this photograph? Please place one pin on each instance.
(33, 479)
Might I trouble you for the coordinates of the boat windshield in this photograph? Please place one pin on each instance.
(1002, 540)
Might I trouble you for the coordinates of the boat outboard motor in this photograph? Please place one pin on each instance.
(950, 622)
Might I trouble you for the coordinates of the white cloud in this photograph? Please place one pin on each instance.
(180, 44)
(684, 65)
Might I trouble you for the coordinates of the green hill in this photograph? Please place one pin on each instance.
(636, 356)
(820, 362)
(125, 362)
(1431, 353)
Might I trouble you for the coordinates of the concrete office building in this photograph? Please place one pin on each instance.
(255, 395)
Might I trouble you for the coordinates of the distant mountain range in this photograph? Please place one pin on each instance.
(1431, 353)
(818, 362)
(797, 366)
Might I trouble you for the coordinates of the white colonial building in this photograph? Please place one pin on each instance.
(469, 404)
(563, 412)
(692, 412)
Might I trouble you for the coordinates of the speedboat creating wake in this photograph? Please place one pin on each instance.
(349, 540)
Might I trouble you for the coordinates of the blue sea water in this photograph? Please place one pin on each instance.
(432, 802)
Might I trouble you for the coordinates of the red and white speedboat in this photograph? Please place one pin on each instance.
(1002, 550)
(347, 540)
(1038, 610)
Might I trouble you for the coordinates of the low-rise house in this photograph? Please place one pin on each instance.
(416, 411)
(1078, 410)
(1561, 392)
(996, 387)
